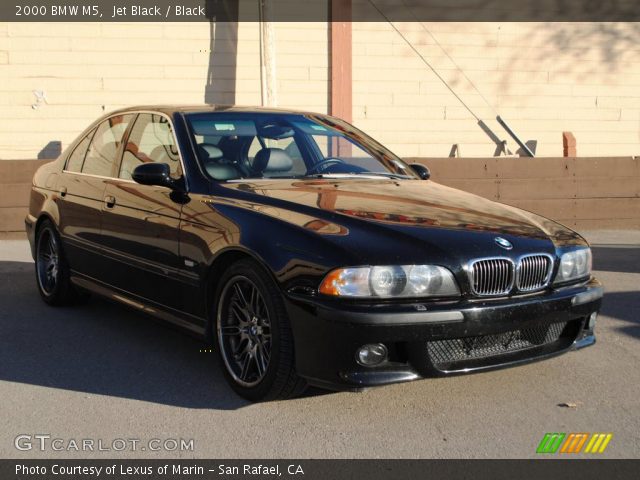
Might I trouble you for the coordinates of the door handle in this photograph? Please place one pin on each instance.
(63, 191)
(110, 201)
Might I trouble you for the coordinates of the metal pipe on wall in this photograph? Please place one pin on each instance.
(268, 79)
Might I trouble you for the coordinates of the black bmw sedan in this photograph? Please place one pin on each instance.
(303, 250)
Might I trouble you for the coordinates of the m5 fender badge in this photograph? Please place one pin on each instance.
(504, 243)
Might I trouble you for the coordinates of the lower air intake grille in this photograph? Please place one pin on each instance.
(443, 352)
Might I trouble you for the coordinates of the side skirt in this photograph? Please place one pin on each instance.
(194, 325)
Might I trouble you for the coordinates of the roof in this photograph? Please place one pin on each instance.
(210, 108)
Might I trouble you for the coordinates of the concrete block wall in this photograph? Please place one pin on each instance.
(15, 185)
(583, 193)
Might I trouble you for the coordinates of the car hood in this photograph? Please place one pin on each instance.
(439, 217)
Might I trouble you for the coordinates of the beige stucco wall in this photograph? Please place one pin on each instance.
(542, 78)
(85, 68)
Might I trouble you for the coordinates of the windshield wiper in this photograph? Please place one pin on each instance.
(387, 175)
(359, 174)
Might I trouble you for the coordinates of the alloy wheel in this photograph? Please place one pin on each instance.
(48, 262)
(244, 331)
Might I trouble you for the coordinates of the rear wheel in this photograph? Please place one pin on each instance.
(52, 270)
(254, 336)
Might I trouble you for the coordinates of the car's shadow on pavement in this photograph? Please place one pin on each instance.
(102, 348)
(620, 305)
(624, 306)
(616, 258)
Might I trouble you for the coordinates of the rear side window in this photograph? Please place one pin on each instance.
(151, 140)
(105, 145)
(76, 159)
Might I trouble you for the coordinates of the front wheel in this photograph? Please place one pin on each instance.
(254, 336)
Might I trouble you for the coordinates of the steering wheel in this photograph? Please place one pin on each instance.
(321, 165)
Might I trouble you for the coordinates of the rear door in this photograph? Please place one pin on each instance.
(81, 186)
(140, 222)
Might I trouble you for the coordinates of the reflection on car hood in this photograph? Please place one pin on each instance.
(388, 216)
(406, 204)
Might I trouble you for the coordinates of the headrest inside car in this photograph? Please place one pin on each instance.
(210, 152)
(222, 172)
(272, 160)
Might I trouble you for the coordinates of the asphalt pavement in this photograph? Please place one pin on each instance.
(101, 372)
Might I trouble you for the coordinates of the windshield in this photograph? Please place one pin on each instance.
(238, 145)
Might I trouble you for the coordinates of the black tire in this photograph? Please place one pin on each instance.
(250, 324)
(52, 269)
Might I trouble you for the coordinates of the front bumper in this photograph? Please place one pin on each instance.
(471, 335)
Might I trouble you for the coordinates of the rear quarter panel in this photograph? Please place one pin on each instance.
(43, 199)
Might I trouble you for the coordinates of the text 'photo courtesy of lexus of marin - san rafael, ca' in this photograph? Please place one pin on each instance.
(304, 251)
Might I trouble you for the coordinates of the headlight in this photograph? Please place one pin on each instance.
(390, 282)
(573, 265)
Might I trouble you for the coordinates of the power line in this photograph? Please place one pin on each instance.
(425, 61)
(453, 61)
(482, 125)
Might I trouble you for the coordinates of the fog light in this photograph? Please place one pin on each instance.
(592, 321)
(371, 354)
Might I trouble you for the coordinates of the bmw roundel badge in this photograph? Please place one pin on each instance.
(504, 243)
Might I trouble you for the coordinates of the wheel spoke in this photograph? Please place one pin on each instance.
(238, 313)
(232, 330)
(259, 309)
(240, 294)
(240, 348)
(254, 301)
(266, 351)
(261, 361)
(246, 362)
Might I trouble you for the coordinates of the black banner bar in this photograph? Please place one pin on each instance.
(318, 10)
(187, 469)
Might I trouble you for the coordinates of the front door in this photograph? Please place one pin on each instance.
(140, 223)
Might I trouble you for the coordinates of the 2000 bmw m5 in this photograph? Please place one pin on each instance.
(306, 252)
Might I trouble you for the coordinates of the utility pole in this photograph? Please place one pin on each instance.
(267, 55)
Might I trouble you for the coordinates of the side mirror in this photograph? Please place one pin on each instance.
(422, 171)
(154, 174)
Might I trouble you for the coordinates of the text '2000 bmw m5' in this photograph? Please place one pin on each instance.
(303, 250)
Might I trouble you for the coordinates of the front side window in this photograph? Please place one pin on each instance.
(236, 145)
(151, 140)
(105, 145)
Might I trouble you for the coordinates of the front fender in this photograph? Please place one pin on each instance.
(297, 250)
